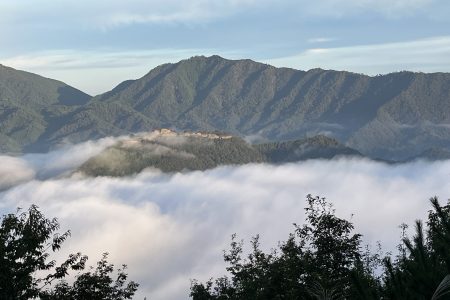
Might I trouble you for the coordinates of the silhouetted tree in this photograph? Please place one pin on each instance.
(316, 260)
(96, 284)
(323, 260)
(426, 261)
(26, 240)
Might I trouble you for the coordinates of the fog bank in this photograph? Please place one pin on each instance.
(172, 228)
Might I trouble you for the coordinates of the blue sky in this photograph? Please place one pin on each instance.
(94, 45)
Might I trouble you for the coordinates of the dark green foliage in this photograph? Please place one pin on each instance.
(200, 153)
(418, 272)
(331, 247)
(188, 154)
(32, 107)
(26, 239)
(314, 263)
(366, 284)
(95, 285)
(315, 147)
(323, 260)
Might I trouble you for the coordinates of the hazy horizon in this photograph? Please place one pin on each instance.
(263, 62)
(80, 42)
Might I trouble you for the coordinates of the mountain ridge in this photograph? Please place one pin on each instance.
(30, 104)
(391, 116)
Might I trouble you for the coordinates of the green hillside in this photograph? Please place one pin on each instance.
(170, 151)
(33, 107)
(309, 148)
(393, 117)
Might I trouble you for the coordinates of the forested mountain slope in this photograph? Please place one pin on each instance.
(394, 116)
(31, 107)
(171, 151)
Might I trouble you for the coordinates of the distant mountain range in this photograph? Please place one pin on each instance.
(394, 117)
(171, 151)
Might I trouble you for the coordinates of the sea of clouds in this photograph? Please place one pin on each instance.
(169, 229)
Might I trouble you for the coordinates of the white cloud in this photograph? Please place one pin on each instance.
(426, 55)
(110, 14)
(65, 159)
(14, 170)
(320, 40)
(57, 163)
(100, 70)
(169, 229)
(389, 8)
(174, 11)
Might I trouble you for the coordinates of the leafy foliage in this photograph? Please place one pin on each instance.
(26, 272)
(323, 259)
(319, 146)
(315, 262)
(199, 153)
(95, 284)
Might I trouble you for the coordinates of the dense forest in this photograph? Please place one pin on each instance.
(324, 258)
(391, 117)
(180, 152)
(171, 156)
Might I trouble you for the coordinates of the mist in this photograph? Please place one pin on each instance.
(169, 229)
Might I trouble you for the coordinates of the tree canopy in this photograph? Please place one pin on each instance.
(325, 259)
(27, 239)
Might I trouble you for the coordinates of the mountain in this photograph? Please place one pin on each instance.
(308, 148)
(393, 116)
(171, 151)
(31, 107)
(432, 154)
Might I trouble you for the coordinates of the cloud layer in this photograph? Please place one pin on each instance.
(94, 45)
(424, 55)
(170, 229)
(113, 13)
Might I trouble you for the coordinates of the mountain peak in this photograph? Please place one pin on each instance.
(203, 57)
(218, 58)
(388, 116)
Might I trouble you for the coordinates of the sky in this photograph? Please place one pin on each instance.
(169, 229)
(94, 45)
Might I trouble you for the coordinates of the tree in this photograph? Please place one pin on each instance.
(331, 249)
(26, 239)
(95, 284)
(419, 272)
(323, 259)
(315, 262)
